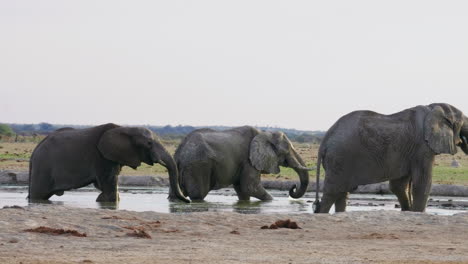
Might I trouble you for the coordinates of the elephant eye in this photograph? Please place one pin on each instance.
(448, 121)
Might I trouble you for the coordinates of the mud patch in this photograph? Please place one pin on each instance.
(55, 231)
(139, 233)
(282, 224)
(375, 236)
(13, 207)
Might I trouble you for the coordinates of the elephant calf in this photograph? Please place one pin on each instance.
(73, 158)
(365, 147)
(209, 159)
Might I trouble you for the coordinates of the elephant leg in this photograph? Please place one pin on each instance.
(400, 187)
(421, 183)
(196, 180)
(420, 191)
(108, 185)
(261, 194)
(251, 185)
(40, 195)
(41, 186)
(340, 203)
(328, 199)
(241, 195)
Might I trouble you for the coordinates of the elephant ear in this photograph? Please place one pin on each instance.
(439, 131)
(262, 155)
(116, 145)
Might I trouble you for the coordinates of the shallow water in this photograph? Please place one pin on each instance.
(155, 199)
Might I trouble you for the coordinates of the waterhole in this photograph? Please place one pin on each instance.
(224, 200)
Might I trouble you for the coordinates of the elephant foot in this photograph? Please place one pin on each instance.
(108, 197)
(173, 198)
(316, 207)
(264, 196)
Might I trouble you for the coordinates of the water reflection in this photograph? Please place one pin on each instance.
(249, 207)
(108, 205)
(35, 201)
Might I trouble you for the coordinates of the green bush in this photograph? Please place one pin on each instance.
(6, 130)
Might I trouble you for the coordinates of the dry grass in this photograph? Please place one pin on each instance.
(14, 156)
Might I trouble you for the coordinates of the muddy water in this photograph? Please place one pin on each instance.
(154, 199)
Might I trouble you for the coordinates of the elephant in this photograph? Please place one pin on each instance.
(365, 147)
(73, 158)
(208, 159)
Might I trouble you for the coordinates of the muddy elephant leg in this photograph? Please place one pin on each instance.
(42, 187)
(340, 203)
(421, 183)
(241, 195)
(261, 194)
(109, 193)
(400, 187)
(197, 181)
(40, 195)
(420, 191)
(109, 186)
(328, 199)
(251, 185)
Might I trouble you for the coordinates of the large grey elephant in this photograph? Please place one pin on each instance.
(365, 147)
(73, 158)
(209, 159)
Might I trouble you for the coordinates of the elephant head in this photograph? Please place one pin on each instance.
(268, 151)
(132, 145)
(445, 127)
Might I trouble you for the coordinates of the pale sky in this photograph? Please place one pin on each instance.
(293, 64)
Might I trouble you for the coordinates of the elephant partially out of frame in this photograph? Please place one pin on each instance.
(209, 160)
(365, 147)
(73, 158)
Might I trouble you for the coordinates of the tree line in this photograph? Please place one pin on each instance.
(165, 132)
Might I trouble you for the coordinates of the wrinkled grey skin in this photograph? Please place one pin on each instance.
(73, 158)
(365, 147)
(209, 160)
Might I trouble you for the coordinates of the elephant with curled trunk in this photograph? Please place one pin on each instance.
(365, 147)
(73, 158)
(209, 160)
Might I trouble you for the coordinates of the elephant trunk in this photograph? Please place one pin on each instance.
(464, 135)
(296, 162)
(171, 166)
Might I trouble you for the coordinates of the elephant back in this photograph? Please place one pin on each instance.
(194, 147)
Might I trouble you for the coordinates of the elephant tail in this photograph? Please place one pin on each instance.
(410, 193)
(316, 204)
(29, 179)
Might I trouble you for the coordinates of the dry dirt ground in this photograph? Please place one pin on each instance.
(149, 237)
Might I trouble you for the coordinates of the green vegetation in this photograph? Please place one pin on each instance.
(450, 175)
(441, 175)
(5, 130)
(15, 155)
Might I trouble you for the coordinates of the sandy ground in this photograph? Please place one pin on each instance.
(113, 237)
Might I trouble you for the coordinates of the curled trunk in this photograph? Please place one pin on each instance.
(296, 162)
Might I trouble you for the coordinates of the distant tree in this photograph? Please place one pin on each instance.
(6, 130)
(308, 138)
(45, 127)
